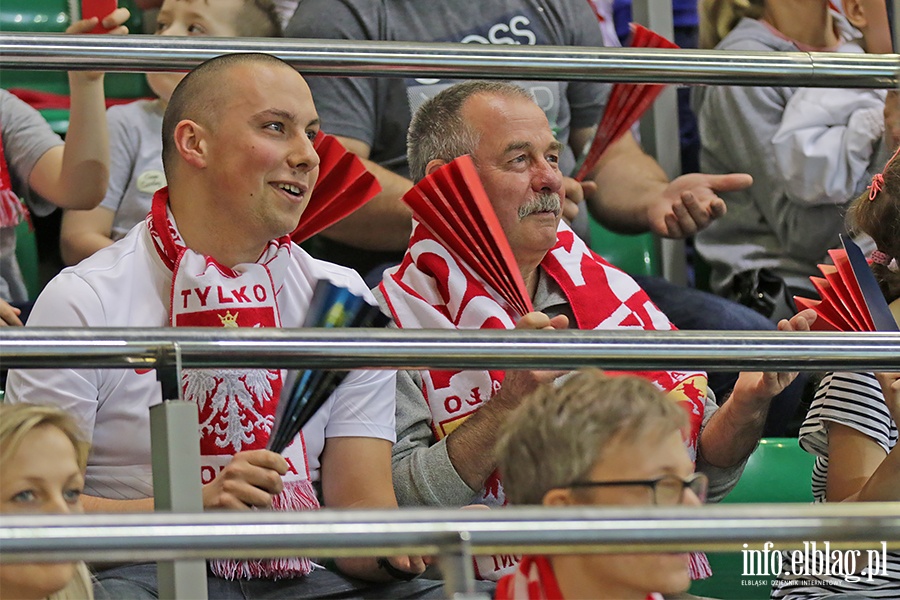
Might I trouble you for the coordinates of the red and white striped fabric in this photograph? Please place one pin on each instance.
(432, 289)
(237, 406)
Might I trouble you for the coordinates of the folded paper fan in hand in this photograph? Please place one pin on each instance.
(851, 299)
(331, 306)
(344, 184)
(452, 204)
(627, 103)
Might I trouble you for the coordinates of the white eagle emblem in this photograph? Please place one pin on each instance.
(230, 402)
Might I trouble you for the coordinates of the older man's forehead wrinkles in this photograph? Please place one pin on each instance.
(555, 146)
(517, 145)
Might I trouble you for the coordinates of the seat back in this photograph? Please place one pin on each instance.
(634, 254)
(27, 257)
(779, 470)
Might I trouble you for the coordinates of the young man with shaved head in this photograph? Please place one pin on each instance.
(215, 251)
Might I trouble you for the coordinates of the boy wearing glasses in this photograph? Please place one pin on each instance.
(598, 440)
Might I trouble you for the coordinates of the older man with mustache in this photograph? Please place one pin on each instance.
(447, 421)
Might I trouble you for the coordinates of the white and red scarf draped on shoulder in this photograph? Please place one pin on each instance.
(237, 406)
(433, 289)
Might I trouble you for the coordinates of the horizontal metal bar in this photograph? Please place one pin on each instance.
(431, 349)
(406, 59)
(165, 536)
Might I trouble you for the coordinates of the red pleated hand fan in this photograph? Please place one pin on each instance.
(344, 184)
(452, 204)
(627, 103)
(851, 299)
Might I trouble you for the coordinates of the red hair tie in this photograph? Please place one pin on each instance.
(878, 180)
(881, 258)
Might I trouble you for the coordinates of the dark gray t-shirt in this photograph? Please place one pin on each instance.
(377, 110)
(26, 138)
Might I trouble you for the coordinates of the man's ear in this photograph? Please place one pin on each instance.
(434, 165)
(190, 141)
(855, 13)
(558, 497)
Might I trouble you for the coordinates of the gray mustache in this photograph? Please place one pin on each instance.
(544, 202)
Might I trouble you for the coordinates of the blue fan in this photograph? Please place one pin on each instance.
(331, 306)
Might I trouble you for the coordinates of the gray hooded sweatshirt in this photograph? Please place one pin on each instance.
(766, 226)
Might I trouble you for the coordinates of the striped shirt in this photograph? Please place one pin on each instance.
(854, 400)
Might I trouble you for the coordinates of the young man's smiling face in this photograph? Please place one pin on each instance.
(259, 153)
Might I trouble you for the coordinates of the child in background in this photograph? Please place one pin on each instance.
(43, 460)
(34, 159)
(135, 129)
(852, 424)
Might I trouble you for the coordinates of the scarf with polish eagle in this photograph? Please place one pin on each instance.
(12, 210)
(237, 406)
(433, 289)
(534, 579)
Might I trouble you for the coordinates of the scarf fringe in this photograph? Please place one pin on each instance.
(12, 211)
(700, 568)
(297, 495)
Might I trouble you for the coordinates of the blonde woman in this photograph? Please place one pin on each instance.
(42, 462)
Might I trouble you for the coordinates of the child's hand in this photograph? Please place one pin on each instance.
(9, 315)
(113, 22)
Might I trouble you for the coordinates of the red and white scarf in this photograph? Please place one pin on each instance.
(534, 579)
(432, 289)
(11, 208)
(237, 406)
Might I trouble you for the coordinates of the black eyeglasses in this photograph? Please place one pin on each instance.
(668, 490)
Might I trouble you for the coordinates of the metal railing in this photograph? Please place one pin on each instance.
(35, 347)
(444, 60)
(259, 534)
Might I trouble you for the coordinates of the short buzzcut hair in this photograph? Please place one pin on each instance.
(557, 434)
(197, 96)
(438, 131)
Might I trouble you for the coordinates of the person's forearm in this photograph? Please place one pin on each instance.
(629, 182)
(733, 432)
(85, 165)
(884, 484)
(471, 446)
(105, 505)
(75, 248)
(384, 223)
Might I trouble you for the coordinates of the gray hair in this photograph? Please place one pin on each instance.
(437, 130)
(557, 434)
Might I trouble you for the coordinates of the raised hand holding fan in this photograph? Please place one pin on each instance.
(851, 299)
(344, 184)
(452, 204)
(626, 104)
